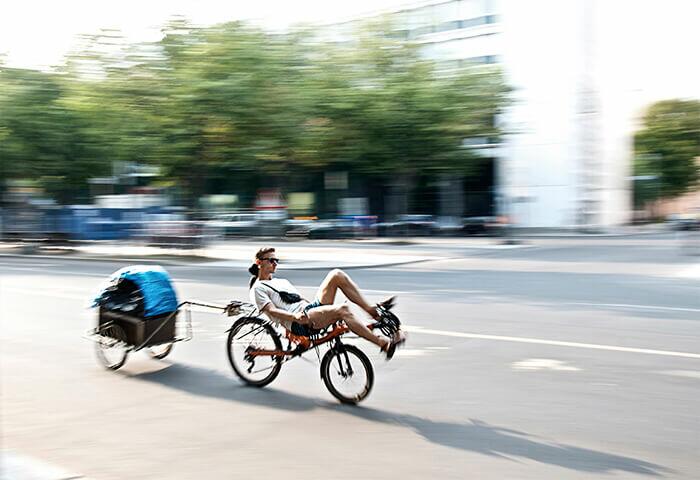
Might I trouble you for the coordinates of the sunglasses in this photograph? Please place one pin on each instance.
(272, 260)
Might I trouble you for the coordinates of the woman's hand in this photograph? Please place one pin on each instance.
(300, 317)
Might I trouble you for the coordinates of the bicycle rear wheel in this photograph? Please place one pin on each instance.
(347, 373)
(248, 335)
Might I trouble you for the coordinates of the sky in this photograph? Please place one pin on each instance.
(37, 34)
(655, 40)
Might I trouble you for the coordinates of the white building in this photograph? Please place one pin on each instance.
(567, 154)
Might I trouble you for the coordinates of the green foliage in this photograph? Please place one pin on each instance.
(203, 101)
(41, 137)
(668, 146)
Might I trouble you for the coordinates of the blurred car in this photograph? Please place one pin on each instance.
(234, 224)
(407, 225)
(448, 226)
(174, 233)
(485, 225)
(298, 227)
(683, 221)
(334, 228)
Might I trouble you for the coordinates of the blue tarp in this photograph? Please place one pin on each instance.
(154, 282)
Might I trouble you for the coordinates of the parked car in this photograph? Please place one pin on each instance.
(235, 224)
(448, 226)
(486, 225)
(407, 225)
(298, 227)
(333, 228)
(683, 221)
(174, 233)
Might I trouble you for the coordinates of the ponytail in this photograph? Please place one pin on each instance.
(254, 270)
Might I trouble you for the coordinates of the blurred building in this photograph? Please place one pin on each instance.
(565, 159)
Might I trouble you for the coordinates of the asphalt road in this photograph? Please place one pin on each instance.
(569, 359)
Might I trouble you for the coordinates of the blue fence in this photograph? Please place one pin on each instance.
(80, 222)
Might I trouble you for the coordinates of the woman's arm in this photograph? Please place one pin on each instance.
(280, 314)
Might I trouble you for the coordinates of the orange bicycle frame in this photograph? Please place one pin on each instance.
(304, 342)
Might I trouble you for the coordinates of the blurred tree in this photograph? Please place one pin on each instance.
(382, 109)
(231, 98)
(235, 102)
(42, 139)
(668, 147)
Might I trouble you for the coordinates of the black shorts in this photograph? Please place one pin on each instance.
(300, 328)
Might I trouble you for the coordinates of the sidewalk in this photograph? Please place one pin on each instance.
(237, 254)
(304, 254)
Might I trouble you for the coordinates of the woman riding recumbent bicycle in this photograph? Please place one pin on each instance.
(255, 347)
(256, 353)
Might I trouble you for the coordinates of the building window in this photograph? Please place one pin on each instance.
(481, 60)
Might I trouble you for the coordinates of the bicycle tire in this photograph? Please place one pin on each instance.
(328, 362)
(243, 369)
(159, 352)
(112, 342)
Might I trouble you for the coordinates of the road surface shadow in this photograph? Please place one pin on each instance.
(474, 435)
(480, 437)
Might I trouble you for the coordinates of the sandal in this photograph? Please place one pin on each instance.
(387, 304)
(399, 340)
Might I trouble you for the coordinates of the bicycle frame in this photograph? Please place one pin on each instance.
(304, 344)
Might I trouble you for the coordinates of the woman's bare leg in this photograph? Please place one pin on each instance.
(338, 279)
(321, 317)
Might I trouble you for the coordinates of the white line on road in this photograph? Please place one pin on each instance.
(627, 305)
(544, 364)
(24, 269)
(61, 272)
(592, 346)
(690, 272)
(19, 466)
(11, 265)
(365, 290)
(682, 373)
(46, 293)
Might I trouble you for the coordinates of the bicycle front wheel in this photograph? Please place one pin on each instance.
(250, 335)
(347, 373)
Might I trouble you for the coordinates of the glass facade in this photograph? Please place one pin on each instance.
(444, 17)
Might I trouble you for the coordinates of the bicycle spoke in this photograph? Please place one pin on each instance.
(249, 337)
(348, 374)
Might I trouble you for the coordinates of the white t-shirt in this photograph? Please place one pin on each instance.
(261, 295)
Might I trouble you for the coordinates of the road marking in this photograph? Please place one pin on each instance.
(427, 331)
(690, 272)
(682, 373)
(627, 305)
(46, 293)
(544, 364)
(63, 272)
(11, 265)
(18, 466)
(454, 290)
(410, 352)
(366, 290)
(23, 269)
